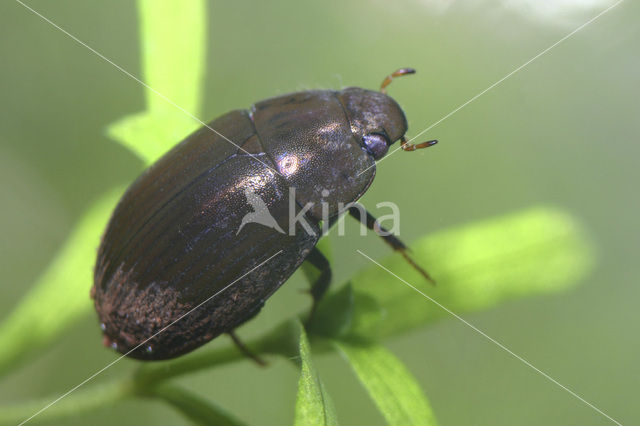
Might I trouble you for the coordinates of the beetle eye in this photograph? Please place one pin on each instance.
(376, 145)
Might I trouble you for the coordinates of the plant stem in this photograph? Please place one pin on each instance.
(197, 409)
(282, 340)
(76, 402)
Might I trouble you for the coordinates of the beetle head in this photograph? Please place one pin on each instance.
(375, 118)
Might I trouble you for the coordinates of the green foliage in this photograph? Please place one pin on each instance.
(376, 305)
(313, 405)
(61, 295)
(173, 68)
(538, 251)
(390, 385)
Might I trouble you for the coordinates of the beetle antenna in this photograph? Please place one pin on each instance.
(405, 145)
(388, 79)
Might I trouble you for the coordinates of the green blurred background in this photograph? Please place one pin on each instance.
(562, 132)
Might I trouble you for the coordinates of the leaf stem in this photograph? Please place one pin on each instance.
(192, 406)
(77, 402)
(282, 340)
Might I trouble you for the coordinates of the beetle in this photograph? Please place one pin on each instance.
(177, 266)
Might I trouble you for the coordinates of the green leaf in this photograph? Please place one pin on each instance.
(195, 408)
(390, 385)
(313, 405)
(173, 39)
(173, 64)
(61, 294)
(538, 251)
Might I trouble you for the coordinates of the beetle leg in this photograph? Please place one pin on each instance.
(319, 288)
(392, 240)
(245, 350)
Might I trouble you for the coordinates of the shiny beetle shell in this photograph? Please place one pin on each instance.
(171, 242)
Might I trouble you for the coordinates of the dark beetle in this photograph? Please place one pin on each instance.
(173, 241)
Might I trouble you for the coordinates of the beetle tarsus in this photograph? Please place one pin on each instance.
(417, 267)
(245, 350)
(393, 241)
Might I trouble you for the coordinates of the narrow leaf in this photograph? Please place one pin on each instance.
(61, 294)
(390, 385)
(313, 405)
(537, 251)
(172, 38)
